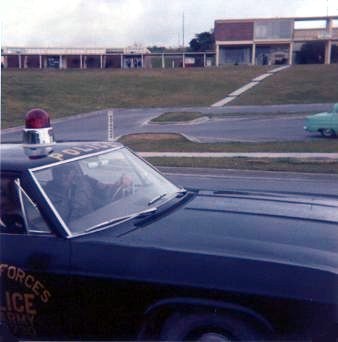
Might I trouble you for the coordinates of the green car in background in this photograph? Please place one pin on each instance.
(326, 123)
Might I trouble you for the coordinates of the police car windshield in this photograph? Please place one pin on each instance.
(88, 191)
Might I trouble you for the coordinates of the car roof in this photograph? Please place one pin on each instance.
(14, 159)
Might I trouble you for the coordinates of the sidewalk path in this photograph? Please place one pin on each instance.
(248, 86)
(319, 156)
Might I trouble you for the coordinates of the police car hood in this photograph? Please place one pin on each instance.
(281, 228)
(279, 245)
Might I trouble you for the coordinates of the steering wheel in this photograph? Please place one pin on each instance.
(125, 188)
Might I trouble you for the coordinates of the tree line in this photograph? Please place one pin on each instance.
(204, 41)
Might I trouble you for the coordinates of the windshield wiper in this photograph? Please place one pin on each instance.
(181, 192)
(141, 214)
(157, 198)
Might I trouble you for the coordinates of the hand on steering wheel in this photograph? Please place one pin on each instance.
(124, 188)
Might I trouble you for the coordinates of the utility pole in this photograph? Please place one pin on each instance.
(183, 31)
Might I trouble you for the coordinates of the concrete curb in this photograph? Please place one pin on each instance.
(308, 156)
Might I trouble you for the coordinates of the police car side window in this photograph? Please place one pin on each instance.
(11, 220)
(32, 216)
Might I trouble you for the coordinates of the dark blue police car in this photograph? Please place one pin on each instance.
(97, 244)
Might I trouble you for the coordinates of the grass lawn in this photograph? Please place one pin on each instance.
(262, 164)
(298, 84)
(68, 92)
(171, 142)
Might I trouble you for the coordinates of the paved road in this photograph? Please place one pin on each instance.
(254, 180)
(286, 123)
(256, 128)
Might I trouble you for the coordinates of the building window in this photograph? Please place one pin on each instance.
(235, 55)
(309, 52)
(334, 53)
(272, 54)
(274, 29)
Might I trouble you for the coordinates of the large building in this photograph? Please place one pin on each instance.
(277, 41)
(64, 58)
(101, 58)
(269, 41)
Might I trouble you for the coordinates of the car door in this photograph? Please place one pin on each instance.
(335, 122)
(34, 266)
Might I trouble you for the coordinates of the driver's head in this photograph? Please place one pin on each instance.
(66, 173)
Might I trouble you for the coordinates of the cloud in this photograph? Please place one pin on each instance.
(119, 23)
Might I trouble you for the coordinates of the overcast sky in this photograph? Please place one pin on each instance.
(120, 23)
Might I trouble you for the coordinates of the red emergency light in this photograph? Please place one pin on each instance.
(37, 118)
(38, 136)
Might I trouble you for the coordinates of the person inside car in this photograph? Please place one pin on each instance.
(76, 194)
